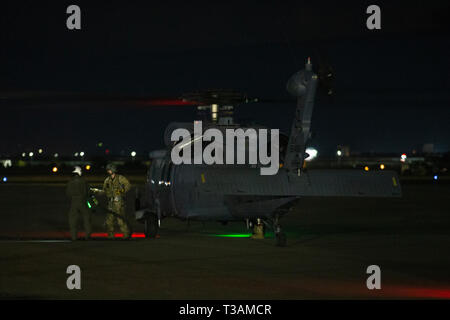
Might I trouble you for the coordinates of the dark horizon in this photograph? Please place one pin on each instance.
(392, 85)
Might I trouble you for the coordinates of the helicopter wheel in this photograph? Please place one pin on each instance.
(151, 225)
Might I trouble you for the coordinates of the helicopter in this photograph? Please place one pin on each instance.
(225, 193)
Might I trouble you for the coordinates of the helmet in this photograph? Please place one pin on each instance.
(111, 167)
(77, 170)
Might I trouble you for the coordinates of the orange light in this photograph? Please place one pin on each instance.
(382, 166)
(88, 167)
(55, 169)
(366, 168)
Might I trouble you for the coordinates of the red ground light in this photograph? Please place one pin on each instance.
(116, 235)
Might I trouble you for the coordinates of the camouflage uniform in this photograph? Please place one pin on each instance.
(78, 190)
(115, 190)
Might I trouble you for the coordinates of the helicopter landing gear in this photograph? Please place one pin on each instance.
(259, 227)
(280, 236)
(151, 225)
(258, 230)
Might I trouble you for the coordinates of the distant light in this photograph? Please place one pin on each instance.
(5, 179)
(312, 153)
(55, 169)
(403, 157)
(82, 154)
(133, 154)
(56, 155)
(6, 163)
(76, 154)
(107, 151)
(382, 166)
(88, 167)
(31, 154)
(100, 144)
(40, 151)
(435, 177)
(339, 153)
(366, 168)
(24, 154)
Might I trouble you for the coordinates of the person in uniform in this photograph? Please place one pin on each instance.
(115, 187)
(78, 190)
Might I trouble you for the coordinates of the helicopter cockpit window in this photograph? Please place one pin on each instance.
(164, 174)
(152, 172)
(161, 172)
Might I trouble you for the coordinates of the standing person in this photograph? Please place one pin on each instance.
(78, 191)
(115, 187)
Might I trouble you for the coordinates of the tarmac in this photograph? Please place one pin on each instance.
(331, 243)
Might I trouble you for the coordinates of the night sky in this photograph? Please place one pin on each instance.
(392, 85)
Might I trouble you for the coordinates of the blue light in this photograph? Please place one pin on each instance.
(5, 179)
(435, 177)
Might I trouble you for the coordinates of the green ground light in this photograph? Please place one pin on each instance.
(241, 235)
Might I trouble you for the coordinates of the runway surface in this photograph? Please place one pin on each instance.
(331, 242)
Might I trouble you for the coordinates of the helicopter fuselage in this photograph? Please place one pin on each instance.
(239, 192)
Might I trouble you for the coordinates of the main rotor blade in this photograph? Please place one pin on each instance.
(74, 99)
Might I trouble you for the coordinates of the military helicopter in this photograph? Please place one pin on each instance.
(226, 193)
